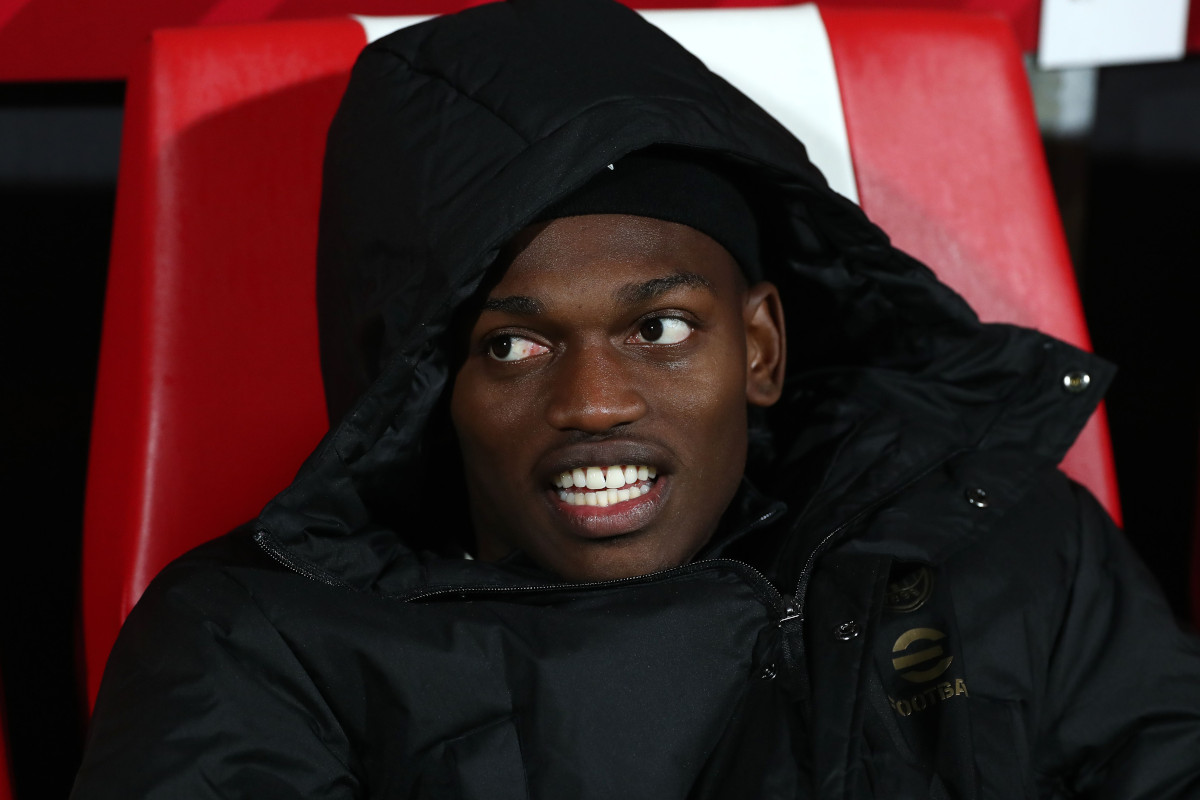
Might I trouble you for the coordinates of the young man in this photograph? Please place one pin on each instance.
(575, 535)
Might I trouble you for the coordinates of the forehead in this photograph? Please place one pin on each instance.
(613, 251)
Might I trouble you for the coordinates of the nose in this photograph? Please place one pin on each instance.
(594, 391)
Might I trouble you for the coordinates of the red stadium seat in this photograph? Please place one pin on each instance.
(6, 791)
(209, 394)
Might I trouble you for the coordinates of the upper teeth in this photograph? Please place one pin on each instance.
(613, 477)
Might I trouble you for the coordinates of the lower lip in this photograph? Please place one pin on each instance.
(602, 522)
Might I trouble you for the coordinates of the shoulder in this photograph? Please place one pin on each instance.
(202, 687)
(212, 582)
(1030, 569)
(1047, 531)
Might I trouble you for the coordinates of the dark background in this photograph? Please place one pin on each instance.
(1130, 194)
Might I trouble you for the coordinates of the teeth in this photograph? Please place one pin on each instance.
(595, 478)
(603, 497)
(615, 478)
(604, 486)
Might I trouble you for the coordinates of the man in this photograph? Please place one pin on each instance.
(575, 534)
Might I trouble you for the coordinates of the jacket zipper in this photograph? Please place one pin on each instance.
(266, 542)
(828, 539)
(759, 580)
(780, 605)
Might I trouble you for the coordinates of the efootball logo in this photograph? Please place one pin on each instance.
(918, 656)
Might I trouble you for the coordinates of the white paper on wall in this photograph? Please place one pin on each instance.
(1087, 33)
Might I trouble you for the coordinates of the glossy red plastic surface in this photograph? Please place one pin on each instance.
(72, 40)
(209, 394)
(6, 792)
(949, 161)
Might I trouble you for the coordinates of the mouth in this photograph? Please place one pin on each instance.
(605, 486)
(605, 501)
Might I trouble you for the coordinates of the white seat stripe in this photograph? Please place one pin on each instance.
(780, 58)
(378, 27)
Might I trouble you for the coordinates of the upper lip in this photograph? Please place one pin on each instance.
(603, 454)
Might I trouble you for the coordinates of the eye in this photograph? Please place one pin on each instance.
(513, 348)
(663, 330)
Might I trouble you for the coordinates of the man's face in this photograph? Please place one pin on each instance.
(615, 351)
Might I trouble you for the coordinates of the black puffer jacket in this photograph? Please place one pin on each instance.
(937, 612)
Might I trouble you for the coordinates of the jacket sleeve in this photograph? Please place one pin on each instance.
(1122, 715)
(202, 698)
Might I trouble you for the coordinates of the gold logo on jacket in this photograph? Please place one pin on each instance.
(918, 657)
(929, 697)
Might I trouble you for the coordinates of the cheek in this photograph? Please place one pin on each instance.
(471, 414)
(707, 409)
(492, 424)
(713, 393)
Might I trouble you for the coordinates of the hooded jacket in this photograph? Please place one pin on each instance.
(924, 608)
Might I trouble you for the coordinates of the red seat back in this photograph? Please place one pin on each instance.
(950, 163)
(6, 791)
(209, 393)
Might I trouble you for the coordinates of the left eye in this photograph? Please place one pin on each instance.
(514, 348)
(664, 330)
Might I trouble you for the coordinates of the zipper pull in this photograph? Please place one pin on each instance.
(790, 613)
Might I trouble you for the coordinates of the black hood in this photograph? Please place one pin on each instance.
(455, 133)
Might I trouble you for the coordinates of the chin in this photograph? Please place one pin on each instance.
(614, 559)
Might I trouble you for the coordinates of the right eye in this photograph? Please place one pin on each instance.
(513, 348)
(664, 330)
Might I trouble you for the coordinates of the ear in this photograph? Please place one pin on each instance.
(766, 344)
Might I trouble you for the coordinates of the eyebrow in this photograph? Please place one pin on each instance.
(634, 293)
(515, 304)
